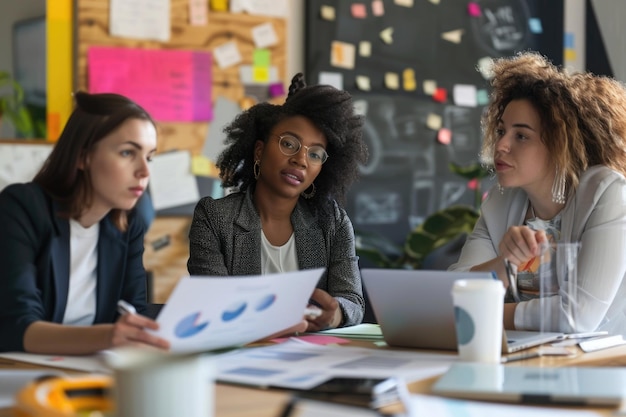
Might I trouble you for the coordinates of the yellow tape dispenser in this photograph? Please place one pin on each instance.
(66, 396)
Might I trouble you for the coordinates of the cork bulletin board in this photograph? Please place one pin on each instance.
(167, 248)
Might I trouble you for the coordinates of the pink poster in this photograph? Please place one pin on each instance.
(172, 85)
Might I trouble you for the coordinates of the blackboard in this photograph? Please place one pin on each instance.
(407, 176)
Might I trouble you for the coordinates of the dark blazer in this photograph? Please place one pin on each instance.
(35, 264)
(225, 239)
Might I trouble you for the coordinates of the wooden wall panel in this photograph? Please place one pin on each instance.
(92, 22)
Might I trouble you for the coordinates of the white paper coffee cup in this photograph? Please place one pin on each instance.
(478, 311)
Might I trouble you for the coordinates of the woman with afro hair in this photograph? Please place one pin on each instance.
(290, 166)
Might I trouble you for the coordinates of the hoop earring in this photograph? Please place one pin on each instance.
(256, 169)
(500, 189)
(310, 194)
(558, 187)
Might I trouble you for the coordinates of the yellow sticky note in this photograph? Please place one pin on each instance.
(363, 83)
(342, 54)
(327, 12)
(434, 121)
(392, 81)
(570, 54)
(365, 48)
(219, 5)
(429, 86)
(260, 74)
(201, 165)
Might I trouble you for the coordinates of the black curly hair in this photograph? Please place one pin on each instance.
(329, 109)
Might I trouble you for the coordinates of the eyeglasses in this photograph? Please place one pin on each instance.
(290, 145)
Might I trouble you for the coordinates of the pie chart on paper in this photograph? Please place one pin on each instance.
(266, 302)
(190, 326)
(234, 310)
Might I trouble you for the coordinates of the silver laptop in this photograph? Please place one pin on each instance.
(414, 309)
(605, 386)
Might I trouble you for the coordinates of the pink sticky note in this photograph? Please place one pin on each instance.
(359, 11)
(444, 136)
(316, 339)
(473, 9)
(378, 8)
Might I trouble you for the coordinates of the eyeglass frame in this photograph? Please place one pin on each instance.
(314, 162)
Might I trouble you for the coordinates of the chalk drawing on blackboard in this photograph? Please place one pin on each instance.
(378, 207)
(452, 193)
(422, 201)
(502, 27)
(462, 123)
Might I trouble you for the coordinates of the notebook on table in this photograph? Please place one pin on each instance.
(414, 309)
(599, 386)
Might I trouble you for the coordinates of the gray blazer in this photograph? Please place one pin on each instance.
(225, 239)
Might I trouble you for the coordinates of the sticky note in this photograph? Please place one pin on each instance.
(198, 12)
(453, 36)
(261, 58)
(485, 65)
(429, 87)
(408, 80)
(200, 165)
(342, 55)
(378, 8)
(404, 3)
(436, 2)
(361, 107)
(433, 121)
(535, 25)
(440, 95)
(464, 95)
(331, 78)
(327, 12)
(219, 5)
(392, 81)
(482, 97)
(363, 83)
(358, 10)
(568, 40)
(473, 9)
(365, 48)
(227, 54)
(387, 35)
(277, 90)
(444, 136)
(260, 74)
(264, 35)
(570, 54)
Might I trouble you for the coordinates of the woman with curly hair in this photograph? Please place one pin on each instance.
(557, 144)
(290, 165)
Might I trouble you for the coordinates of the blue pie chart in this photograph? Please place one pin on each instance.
(265, 302)
(190, 326)
(235, 310)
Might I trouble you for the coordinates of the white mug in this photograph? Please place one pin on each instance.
(158, 384)
(478, 312)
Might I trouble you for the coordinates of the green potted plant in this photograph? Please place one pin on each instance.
(441, 235)
(12, 106)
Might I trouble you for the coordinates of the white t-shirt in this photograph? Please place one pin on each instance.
(81, 297)
(278, 258)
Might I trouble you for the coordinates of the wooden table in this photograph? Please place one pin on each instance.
(236, 401)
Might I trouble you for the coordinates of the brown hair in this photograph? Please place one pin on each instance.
(94, 117)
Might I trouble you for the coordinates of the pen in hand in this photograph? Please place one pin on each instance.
(124, 307)
(511, 274)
